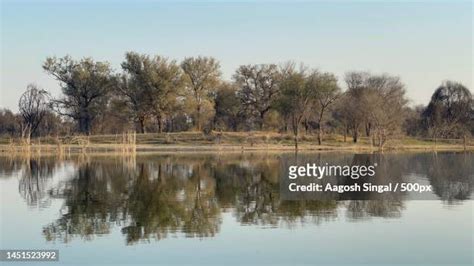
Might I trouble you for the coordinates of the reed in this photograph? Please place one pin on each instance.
(129, 142)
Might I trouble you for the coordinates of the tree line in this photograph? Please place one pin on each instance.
(157, 94)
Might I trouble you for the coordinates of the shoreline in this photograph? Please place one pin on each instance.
(191, 148)
(193, 141)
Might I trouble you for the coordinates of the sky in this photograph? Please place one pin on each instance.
(422, 42)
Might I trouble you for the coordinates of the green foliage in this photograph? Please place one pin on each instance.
(257, 89)
(155, 94)
(227, 108)
(296, 97)
(450, 111)
(202, 76)
(150, 86)
(85, 85)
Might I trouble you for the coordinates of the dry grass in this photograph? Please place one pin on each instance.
(216, 141)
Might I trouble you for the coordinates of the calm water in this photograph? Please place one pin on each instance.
(225, 209)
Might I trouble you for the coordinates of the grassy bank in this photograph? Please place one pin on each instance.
(225, 141)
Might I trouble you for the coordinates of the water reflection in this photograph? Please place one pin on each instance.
(34, 176)
(155, 196)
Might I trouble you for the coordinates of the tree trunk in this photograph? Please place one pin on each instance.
(465, 142)
(160, 123)
(260, 124)
(346, 129)
(141, 125)
(82, 125)
(296, 141)
(198, 117)
(355, 135)
(295, 131)
(368, 129)
(34, 127)
(85, 123)
(320, 135)
(320, 126)
(306, 126)
(380, 138)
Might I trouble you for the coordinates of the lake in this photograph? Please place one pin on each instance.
(225, 209)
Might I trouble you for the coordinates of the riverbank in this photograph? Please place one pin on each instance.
(217, 141)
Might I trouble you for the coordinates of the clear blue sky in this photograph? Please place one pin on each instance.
(422, 42)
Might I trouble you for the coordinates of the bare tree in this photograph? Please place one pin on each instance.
(258, 88)
(327, 91)
(33, 106)
(376, 101)
(203, 76)
(353, 110)
(387, 106)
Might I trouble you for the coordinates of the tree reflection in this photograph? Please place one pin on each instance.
(151, 208)
(10, 166)
(451, 175)
(363, 209)
(34, 180)
(256, 201)
(151, 197)
(34, 174)
(94, 199)
(389, 169)
(201, 206)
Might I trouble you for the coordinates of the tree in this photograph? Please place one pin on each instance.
(154, 86)
(133, 90)
(9, 122)
(227, 109)
(450, 111)
(166, 83)
(341, 115)
(327, 91)
(413, 124)
(163, 81)
(376, 101)
(258, 88)
(33, 106)
(296, 97)
(51, 124)
(353, 112)
(85, 85)
(386, 106)
(202, 76)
